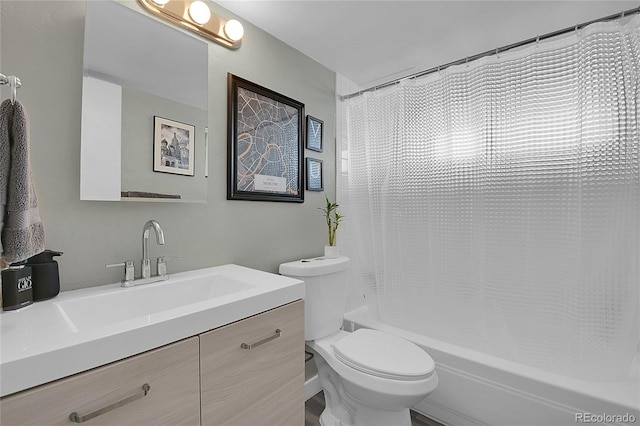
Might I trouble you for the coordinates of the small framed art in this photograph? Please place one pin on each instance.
(314, 133)
(173, 147)
(315, 180)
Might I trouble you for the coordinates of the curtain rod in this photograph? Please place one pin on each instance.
(492, 52)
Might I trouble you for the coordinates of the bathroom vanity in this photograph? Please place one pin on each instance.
(239, 360)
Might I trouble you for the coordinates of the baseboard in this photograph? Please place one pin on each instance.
(444, 415)
(311, 387)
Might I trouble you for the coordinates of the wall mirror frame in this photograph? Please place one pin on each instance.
(143, 69)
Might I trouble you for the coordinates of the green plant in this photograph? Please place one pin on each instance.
(333, 219)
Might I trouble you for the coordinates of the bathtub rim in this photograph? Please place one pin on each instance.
(624, 394)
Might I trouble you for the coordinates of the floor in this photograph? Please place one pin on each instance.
(315, 405)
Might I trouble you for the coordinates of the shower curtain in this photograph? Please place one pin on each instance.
(496, 205)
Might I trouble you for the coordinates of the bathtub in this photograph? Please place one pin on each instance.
(479, 389)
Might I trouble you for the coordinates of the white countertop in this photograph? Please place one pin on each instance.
(41, 343)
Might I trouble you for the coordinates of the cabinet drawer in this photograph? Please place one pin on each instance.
(263, 385)
(173, 397)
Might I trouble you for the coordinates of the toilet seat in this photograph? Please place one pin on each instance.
(383, 355)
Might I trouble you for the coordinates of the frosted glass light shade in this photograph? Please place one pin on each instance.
(234, 30)
(199, 12)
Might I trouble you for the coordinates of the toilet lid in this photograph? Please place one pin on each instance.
(383, 355)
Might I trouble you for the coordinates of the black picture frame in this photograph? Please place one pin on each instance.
(315, 175)
(315, 129)
(265, 159)
(173, 147)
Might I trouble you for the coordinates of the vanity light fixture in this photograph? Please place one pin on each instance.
(196, 16)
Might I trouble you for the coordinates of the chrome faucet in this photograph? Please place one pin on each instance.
(146, 262)
(146, 278)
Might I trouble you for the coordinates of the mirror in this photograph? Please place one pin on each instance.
(135, 70)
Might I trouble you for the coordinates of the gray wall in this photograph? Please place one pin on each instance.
(42, 43)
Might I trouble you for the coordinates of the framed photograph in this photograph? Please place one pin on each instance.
(265, 152)
(173, 147)
(314, 133)
(315, 180)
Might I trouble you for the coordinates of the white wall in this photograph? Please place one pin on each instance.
(344, 86)
(42, 43)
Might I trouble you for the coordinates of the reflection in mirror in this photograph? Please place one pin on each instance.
(136, 68)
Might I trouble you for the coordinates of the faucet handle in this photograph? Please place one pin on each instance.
(129, 269)
(162, 264)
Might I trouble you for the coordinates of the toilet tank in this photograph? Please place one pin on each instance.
(325, 293)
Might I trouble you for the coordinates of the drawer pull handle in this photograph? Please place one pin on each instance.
(76, 418)
(275, 335)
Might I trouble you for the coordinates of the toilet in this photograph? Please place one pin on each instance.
(369, 377)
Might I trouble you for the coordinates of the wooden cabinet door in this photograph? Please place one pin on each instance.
(171, 372)
(263, 385)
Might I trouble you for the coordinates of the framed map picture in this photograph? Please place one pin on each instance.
(265, 153)
(314, 133)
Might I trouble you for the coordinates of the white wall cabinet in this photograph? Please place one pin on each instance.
(211, 373)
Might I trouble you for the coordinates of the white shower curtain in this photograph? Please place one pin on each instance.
(496, 205)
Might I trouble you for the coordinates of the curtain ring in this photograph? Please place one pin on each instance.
(466, 61)
(622, 15)
(498, 52)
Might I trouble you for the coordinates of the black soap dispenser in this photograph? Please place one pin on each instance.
(46, 278)
(17, 287)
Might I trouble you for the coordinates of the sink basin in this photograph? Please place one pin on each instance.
(144, 301)
(86, 328)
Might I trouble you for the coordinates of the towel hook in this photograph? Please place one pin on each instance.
(14, 83)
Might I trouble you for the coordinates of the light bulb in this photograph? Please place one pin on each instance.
(199, 12)
(234, 30)
(160, 2)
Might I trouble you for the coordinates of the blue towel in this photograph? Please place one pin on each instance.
(21, 231)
